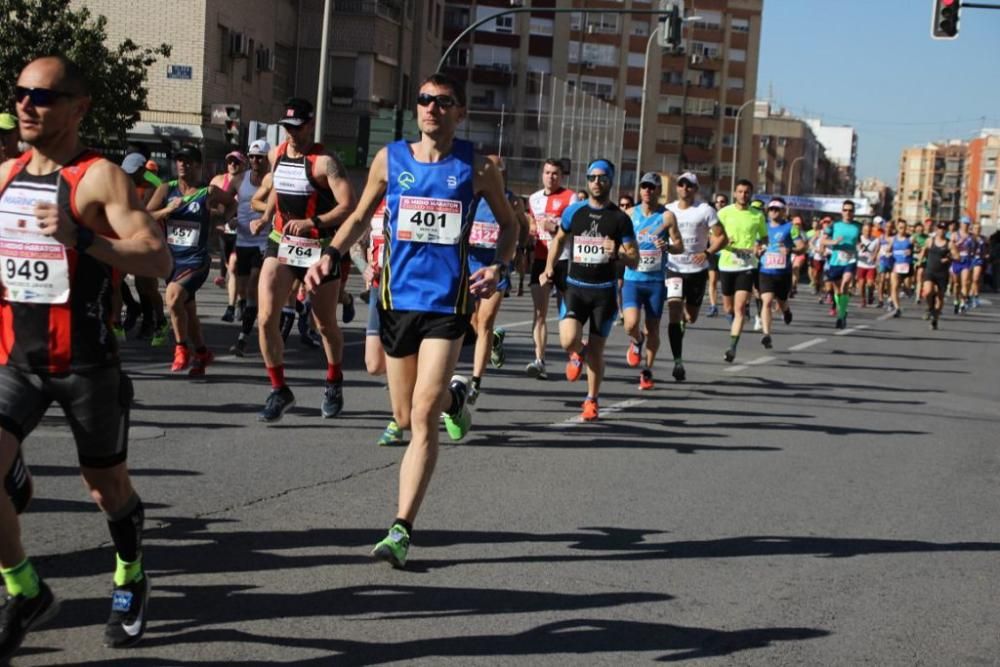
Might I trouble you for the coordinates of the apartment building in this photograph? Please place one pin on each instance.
(788, 154)
(236, 61)
(841, 145)
(980, 186)
(930, 182)
(600, 49)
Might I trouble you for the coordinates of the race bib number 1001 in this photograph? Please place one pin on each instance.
(428, 220)
(299, 252)
(589, 250)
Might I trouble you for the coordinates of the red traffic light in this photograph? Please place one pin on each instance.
(944, 20)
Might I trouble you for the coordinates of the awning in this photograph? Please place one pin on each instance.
(176, 132)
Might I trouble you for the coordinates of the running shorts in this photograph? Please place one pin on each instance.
(597, 305)
(402, 331)
(780, 285)
(646, 294)
(737, 281)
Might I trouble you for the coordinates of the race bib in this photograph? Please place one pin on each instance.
(183, 233)
(844, 257)
(650, 261)
(742, 259)
(298, 251)
(429, 220)
(484, 234)
(775, 260)
(675, 287)
(589, 250)
(541, 232)
(34, 267)
(900, 267)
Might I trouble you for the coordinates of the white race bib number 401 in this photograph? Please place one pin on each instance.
(589, 250)
(429, 220)
(299, 252)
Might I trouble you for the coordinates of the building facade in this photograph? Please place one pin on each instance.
(980, 185)
(930, 182)
(841, 145)
(788, 155)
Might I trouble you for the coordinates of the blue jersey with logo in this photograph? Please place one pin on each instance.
(429, 217)
(777, 259)
(902, 250)
(188, 226)
(844, 253)
(651, 264)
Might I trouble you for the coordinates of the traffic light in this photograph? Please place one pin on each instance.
(669, 36)
(233, 130)
(945, 19)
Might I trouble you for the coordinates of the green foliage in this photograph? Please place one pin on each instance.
(116, 75)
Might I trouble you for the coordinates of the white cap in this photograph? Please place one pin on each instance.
(259, 147)
(878, 220)
(688, 176)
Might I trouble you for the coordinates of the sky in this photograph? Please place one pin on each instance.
(872, 64)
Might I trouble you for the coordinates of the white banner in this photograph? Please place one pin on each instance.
(822, 204)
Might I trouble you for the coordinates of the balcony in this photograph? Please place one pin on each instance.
(388, 9)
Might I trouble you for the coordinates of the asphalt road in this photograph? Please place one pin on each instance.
(832, 501)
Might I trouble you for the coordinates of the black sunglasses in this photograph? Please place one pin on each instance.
(256, 157)
(443, 101)
(593, 178)
(39, 97)
(647, 186)
(686, 184)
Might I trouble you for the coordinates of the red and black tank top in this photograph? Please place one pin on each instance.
(55, 305)
(300, 195)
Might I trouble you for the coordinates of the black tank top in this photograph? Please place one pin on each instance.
(935, 257)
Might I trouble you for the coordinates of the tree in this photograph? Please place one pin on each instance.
(116, 75)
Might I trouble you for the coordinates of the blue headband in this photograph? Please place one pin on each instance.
(608, 168)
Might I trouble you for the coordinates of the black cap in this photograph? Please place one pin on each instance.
(297, 112)
(188, 152)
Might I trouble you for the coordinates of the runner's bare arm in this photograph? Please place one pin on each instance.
(109, 206)
(672, 231)
(259, 201)
(555, 249)
(719, 239)
(489, 182)
(158, 205)
(332, 171)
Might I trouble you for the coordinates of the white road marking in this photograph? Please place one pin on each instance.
(806, 345)
(736, 369)
(844, 332)
(611, 409)
(759, 361)
(882, 318)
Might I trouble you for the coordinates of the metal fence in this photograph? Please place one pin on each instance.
(546, 117)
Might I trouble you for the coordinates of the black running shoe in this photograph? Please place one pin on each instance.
(679, 373)
(349, 310)
(729, 355)
(278, 403)
(19, 614)
(788, 316)
(239, 347)
(128, 614)
(841, 323)
(229, 314)
(766, 342)
(17, 483)
(333, 399)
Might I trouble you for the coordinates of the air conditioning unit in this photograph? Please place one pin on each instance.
(239, 45)
(265, 60)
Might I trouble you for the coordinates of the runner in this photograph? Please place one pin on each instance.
(961, 268)
(842, 240)
(687, 272)
(980, 258)
(919, 238)
(721, 201)
(902, 265)
(482, 253)
(798, 259)
(745, 227)
(937, 254)
(783, 241)
(250, 244)
(626, 203)
(643, 289)
(425, 299)
(236, 165)
(80, 214)
(9, 137)
(184, 205)
(868, 249)
(885, 264)
(546, 207)
(599, 232)
(311, 197)
(817, 257)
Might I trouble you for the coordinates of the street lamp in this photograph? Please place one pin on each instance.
(736, 144)
(791, 174)
(642, 108)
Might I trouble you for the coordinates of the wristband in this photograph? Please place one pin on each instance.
(333, 254)
(84, 239)
(316, 221)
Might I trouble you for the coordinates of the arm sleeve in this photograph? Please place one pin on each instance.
(626, 230)
(566, 220)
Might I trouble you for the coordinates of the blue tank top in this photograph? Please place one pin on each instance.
(775, 261)
(484, 234)
(244, 214)
(651, 264)
(964, 245)
(188, 226)
(427, 231)
(900, 246)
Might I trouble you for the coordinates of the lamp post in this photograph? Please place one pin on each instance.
(791, 174)
(321, 84)
(642, 108)
(736, 144)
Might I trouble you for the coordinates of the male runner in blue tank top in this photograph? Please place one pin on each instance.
(426, 293)
(599, 234)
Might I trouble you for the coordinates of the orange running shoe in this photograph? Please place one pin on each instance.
(574, 367)
(589, 410)
(646, 380)
(182, 357)
(201, 361)
(634, 354)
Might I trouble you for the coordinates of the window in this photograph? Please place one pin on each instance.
(594, 54)
(782, 141)
(505, 24)
(598, 88)
(459, 57)
(455, 18)
(779, 163)
(637, 60)
(734, 83)
(224, 59)
(631, 124)
(738, 55)
(670, 105)
(727, 140)
(633, 94)
(284, 74)
(639, 29)
(707, 49)
(762, 164)
(669, 134)
(700, 107)
(541, 26)
(575, 21)
(731, 110)
(673, 78)
(740, 25)
(765, 142)
(248, 76)
(701, 79)
(709, 20)
(603, 23)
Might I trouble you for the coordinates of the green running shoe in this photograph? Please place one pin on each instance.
(393, 548)
(119, 331)
(498, 356)
(458, 425)
(392, 436)
(160, 334)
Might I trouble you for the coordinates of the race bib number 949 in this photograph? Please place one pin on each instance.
(429, 220)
